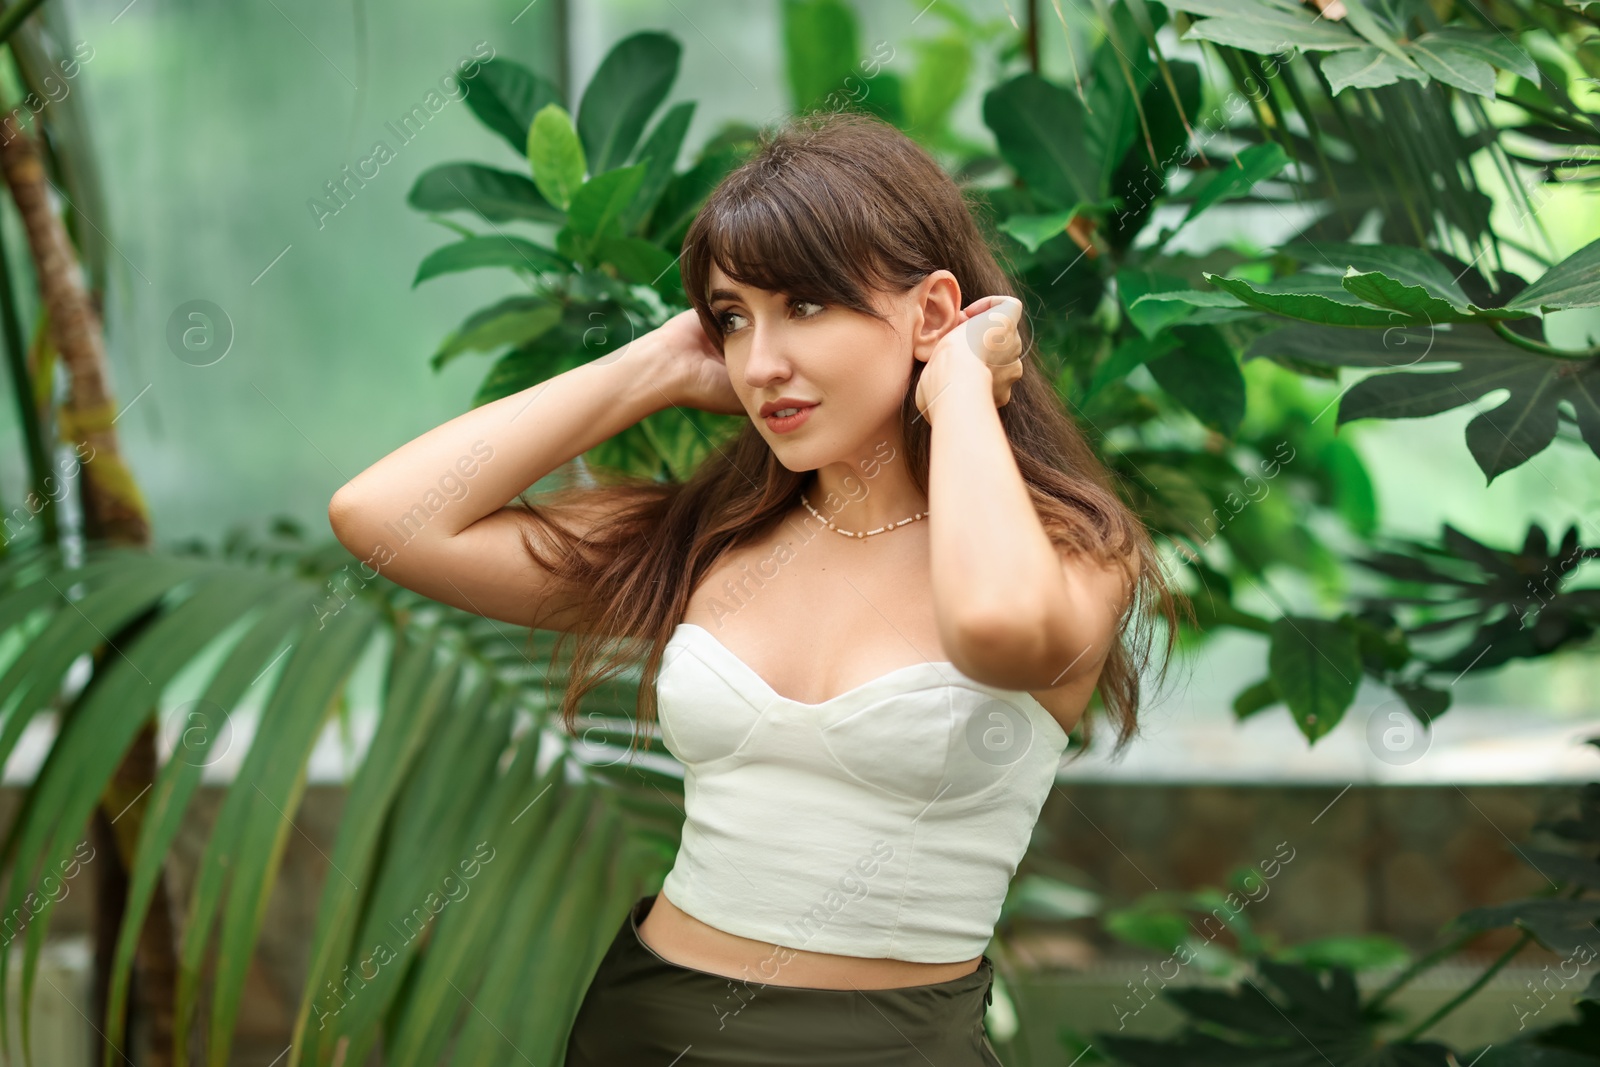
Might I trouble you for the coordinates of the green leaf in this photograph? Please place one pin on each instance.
(1359, 952)
(1453, 65)
(659, 154)
(1380, 32)
(1200, 8)
(1331, 346)
(1572, 283)
(627, 88)
(1423, 701)
(497, 251)
(456, 793)
(1316, 665)
(597, 206)
(1198, 298)
(257, 817)
(1035, 230)
(1204, 377)
(1236, 178)
(555, 155)
(1500, 438)
(686, 193)
(1492, 46)
(937, 80)
(1367, 67)
(1384, 647)
(1415, 302)
(1130, 354)
(513, 321)
(1160, 929)
(1150, 317)
(880, 95)
(1503, 437)
(1246, 1026)
(1271, 30)
(495, 195)
(98, 731)
(1140, 179)
(1041, 132)
(820, 50)
(1258, 697)
(185, 607)
(460, 938)
(1324, 308)
(416, 693)
(557, 913)
(1561, 926)
(32, 678)
(1354, 497)
(636, 260)
(505, 96)
(179, 778)
(586, 332)
(1413, 266)
(1575, 870)
(1118, 75)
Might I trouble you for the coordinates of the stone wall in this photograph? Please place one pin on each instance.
(1393, 860)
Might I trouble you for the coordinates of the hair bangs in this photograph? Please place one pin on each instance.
(787, 234)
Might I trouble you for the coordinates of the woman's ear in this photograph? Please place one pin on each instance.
(936, 310)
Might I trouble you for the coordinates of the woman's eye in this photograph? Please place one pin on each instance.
(809, 303)
(723, 320)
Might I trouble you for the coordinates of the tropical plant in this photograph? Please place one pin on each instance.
(1086, 188)
(1303, 1005)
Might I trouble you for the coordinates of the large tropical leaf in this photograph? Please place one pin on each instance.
(505, 96)
(1042, 132)
(494, 195)
(452, 761)
(659, 154)
(1500, 438)
(500, 250)
(1308, 1017)
(632, 81)
(1513, 602)
(1572, 283)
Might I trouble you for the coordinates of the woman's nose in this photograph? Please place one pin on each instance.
(766, 360)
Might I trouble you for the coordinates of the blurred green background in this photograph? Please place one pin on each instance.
(218, 124)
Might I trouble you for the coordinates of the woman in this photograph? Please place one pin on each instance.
(869, 723)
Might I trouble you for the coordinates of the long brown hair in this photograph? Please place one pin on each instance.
(828, 208)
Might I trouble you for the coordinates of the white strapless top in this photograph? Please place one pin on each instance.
(885, 822)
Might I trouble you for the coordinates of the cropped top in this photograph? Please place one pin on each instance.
(885, 822)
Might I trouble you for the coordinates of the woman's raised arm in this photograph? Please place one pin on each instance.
(433, 514)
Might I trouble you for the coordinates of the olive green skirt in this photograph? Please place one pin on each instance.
(642, 1010)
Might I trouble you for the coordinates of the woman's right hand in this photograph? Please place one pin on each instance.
(692, 371)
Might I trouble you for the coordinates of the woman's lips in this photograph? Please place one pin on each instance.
(789, 423)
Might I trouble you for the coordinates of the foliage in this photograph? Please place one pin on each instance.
(1197, 376)
(1138, 338)
(1262, 1003)
(453, 797)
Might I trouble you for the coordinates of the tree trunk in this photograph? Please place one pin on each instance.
(113, 510)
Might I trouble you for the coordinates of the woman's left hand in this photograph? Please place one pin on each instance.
(986, 338)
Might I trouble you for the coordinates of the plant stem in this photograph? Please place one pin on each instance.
(1437, 955)
(1421, 964)
(1466, 994)
(1513, 337)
